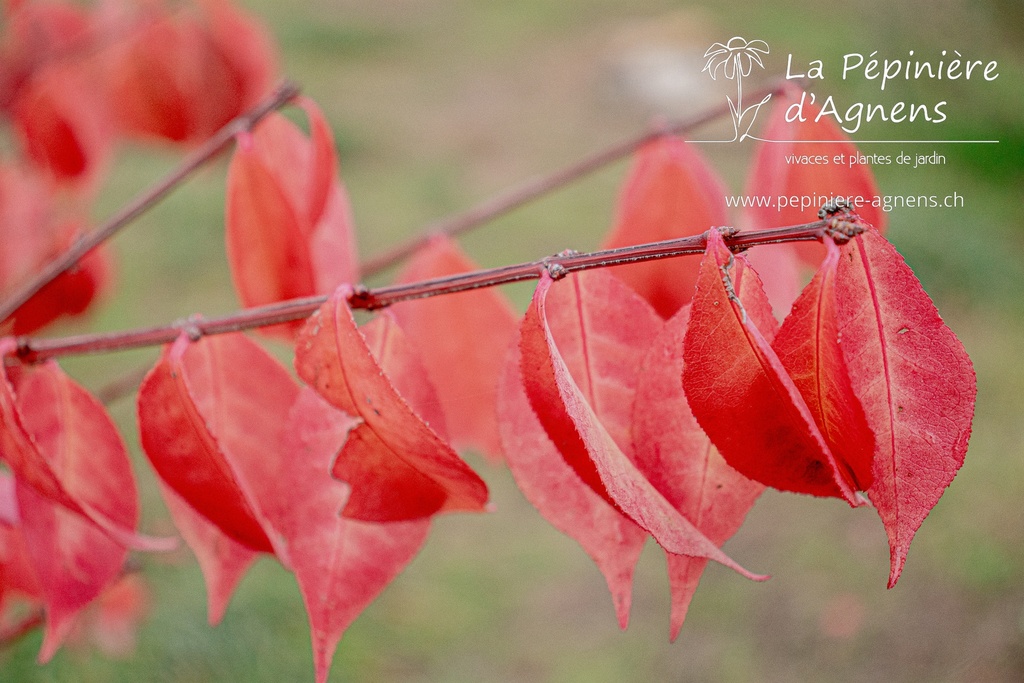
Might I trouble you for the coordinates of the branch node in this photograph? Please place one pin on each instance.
(843, 229)
(841, 223)
(727, 231)
(362, 297)
(23, 350)
(556, 267)
(190, 326)
(144, 201)
(285, 92)
(556, 271)
(836, 206)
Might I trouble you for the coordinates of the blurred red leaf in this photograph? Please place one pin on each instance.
(19, 451)
(35, 34)
(914, 379)
(71, 293)
(112, 621)
(781, 272)
(592, 312)
(82, 426)
(288, 224)
(244, 49)
(16, 574)
(83, 448)
(671, 192)
(222, 559)
(399, 468)
(181, 76)
(8, 503)
(62, 123)
(772, 177)
(681, 463)
(33, 233)
(739, 391)
(458, 338)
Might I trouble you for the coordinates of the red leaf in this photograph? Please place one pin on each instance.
(181, 77)
(112, 622)
(267, 250)
(914, 379)
(19, 452)
(33, 233)
(205, 411)
(82, 446)
(681, 463)
(568, 417)
(8, 503)
(323, 165)
(62, 124)
(81, 417)
(772, 177)
(671, 192)
(35, 34)
(223, 560)
(341, 564)
(288, 223)
(70, 293)
(246, 50)
(611, 539)
(808, 347)
(398, 467)
(459, 337)
(154, 79)
(16, 573)
(279, 449)
(17, 577)
(739, 391)
(779, 268)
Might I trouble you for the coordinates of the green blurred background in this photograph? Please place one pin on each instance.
(437, 105)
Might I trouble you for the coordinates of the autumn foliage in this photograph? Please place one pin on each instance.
(613, 400)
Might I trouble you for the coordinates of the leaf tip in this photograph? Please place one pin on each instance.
(896, 569)
(676, 626)
(898, 550)
(58, 625)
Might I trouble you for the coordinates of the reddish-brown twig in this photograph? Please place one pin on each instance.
(32, 349)
(497, 206)
(538, 187)
(148, 197)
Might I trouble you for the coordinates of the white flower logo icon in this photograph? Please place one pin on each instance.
(736, 59)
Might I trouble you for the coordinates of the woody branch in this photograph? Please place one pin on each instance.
(841, 228)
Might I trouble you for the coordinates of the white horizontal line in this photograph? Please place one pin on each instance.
(858, 142)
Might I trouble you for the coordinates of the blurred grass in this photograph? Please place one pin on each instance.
(436, 105)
